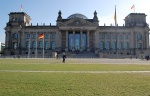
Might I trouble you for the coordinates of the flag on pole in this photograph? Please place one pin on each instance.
(115, 17)
(21, 8)
(41, 36)
(133, 8)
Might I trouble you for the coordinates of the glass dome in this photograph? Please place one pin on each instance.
(77, 15)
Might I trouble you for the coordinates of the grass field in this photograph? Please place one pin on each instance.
(18, 83)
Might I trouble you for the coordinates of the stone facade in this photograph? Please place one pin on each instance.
(76, 33)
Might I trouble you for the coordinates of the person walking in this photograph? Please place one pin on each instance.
(64, 57)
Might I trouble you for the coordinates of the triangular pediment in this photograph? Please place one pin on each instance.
(77, 22)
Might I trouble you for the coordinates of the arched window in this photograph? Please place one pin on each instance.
(101, 45)
(40, 44)
(46, 45)
(15, 35)
(53, 45)
(107, 45)
(34, 44)
(114, 45)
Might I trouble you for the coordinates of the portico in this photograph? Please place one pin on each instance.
(76, 40)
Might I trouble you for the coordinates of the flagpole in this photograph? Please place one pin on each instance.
(36, 46)
(43, 47)
(134, 8)
(29, 46)
(115, 18)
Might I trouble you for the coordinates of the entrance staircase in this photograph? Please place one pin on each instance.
(81, 55)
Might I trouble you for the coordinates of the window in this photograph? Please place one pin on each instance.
(139, 45)
(121, 37)
(46, 45)
(53, 36)
(46, 36)
(127, 37)
(101, 45)
(101, 36)
(114, 45)
(27, 44)
(27, 36)
(40, 44)
(107, 36)
(107, 45)
(139, 36)
(53, 45)
(120, 45)
(34, 44)
(33, 36)
(15, 35)
(15, 45)
(126, 45)
(114, 36)
(70, 40)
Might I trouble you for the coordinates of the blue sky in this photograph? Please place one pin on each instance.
(46, 11)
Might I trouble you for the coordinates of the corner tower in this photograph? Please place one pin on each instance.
(17, 19)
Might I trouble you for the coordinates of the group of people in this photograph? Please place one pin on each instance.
(63, 57)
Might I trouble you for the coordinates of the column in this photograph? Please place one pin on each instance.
(147, 40)
(66, 40)
(6, 39)
(73, 40)
(81, 40)
(88, 43)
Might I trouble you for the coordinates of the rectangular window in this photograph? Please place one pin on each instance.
(127, 37)
(107, 36)
(53, 45)
(127, 45)
(15, 36)
(139, 46)
(101, 36)
(46, 36)
(34, 36)
(114, 36)
(27, 36)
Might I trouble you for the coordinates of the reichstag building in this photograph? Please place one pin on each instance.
(77, 34)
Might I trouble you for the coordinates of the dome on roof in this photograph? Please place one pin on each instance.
(77, 15)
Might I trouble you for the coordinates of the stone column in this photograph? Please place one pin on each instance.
(147, 40)
(73, 40)
(6, 39)
(88, 41)
(81, 40)
(66, 49)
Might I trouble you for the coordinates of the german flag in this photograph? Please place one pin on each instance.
(115, 17)
(41, 36)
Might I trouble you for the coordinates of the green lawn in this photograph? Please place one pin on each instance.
(72, 84)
